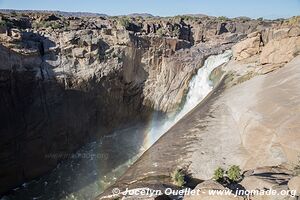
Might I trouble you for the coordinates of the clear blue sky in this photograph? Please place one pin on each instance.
(230, 8)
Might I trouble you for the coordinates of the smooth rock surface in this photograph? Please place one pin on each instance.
(294, 184)
(247, 47)
(65, 81)
(226, 127)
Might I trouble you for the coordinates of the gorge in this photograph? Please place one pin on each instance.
(85, 101)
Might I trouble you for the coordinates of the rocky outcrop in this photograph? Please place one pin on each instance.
(250, 123)
(49, 112)
(294, 184)
(267, 178)
(264, 179)
(280, 50)
(205, 187)
(248, 47)
(264, 183)
(277, 45)
(66, 80)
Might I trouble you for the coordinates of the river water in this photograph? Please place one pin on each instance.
(97, 165)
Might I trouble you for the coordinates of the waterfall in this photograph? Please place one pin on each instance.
(87, 177)
(199, 87)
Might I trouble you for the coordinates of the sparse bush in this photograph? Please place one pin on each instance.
(9, 24)
(178, 177)
(44, 24)
(234, 173)
(243, 18)
(260, 19)
(37, 25)
(13, 13)
(56, 25)
(176, 32)
(2, 23)
(160, 32)
(219, 174)
(294, 20)
(185, 17)
(47, 24)
(124, 21)
(222, 18)
(5, 24)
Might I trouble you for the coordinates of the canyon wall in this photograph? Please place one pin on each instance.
(66, 80)
(249, 120)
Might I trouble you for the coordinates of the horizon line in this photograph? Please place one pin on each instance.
(137, 13)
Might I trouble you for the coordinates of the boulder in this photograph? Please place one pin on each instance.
(261, 183)
(280, 33)
(294, 184)
(79, 52)
(247, 47)
(202, 192)
(280, 51)
(294, 31)
(210, 184)
(272, 197)
(52, 17)
(266, 178)
(209, 197)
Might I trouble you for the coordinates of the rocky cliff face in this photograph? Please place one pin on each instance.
(66, 80)
(249, 120)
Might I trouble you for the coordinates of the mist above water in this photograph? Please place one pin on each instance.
(97, 165)
(199, 87)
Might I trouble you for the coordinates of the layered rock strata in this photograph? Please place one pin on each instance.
(67, 80)
(250, 120)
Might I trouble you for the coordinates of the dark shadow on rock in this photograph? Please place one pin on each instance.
(222, 28)
(44, 119)
(191, 182)
(235, 187)
(163, 197)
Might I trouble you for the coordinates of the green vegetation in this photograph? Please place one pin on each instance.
(165, 32)
(139, 19)
(124, 21)
(178, 177)
(219, 174)
(260, 19)
(185, 17)
(36, 25)
(294, 20)
(13, 13)
(160, 32)
(53, 25)
(47, 24)
(176, 32)
(5, 24)
(2, 23)
(243, 18)
(234, 173)
(223, 18)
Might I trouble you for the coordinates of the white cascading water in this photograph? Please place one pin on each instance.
(199, 87)
(85, 178)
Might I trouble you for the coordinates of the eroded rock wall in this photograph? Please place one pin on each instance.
(65, 81)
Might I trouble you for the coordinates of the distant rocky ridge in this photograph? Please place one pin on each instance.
(65, 80)
(250, 120)
(62, 13)
(74, 14)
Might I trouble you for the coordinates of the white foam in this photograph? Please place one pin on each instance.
(199, 87)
